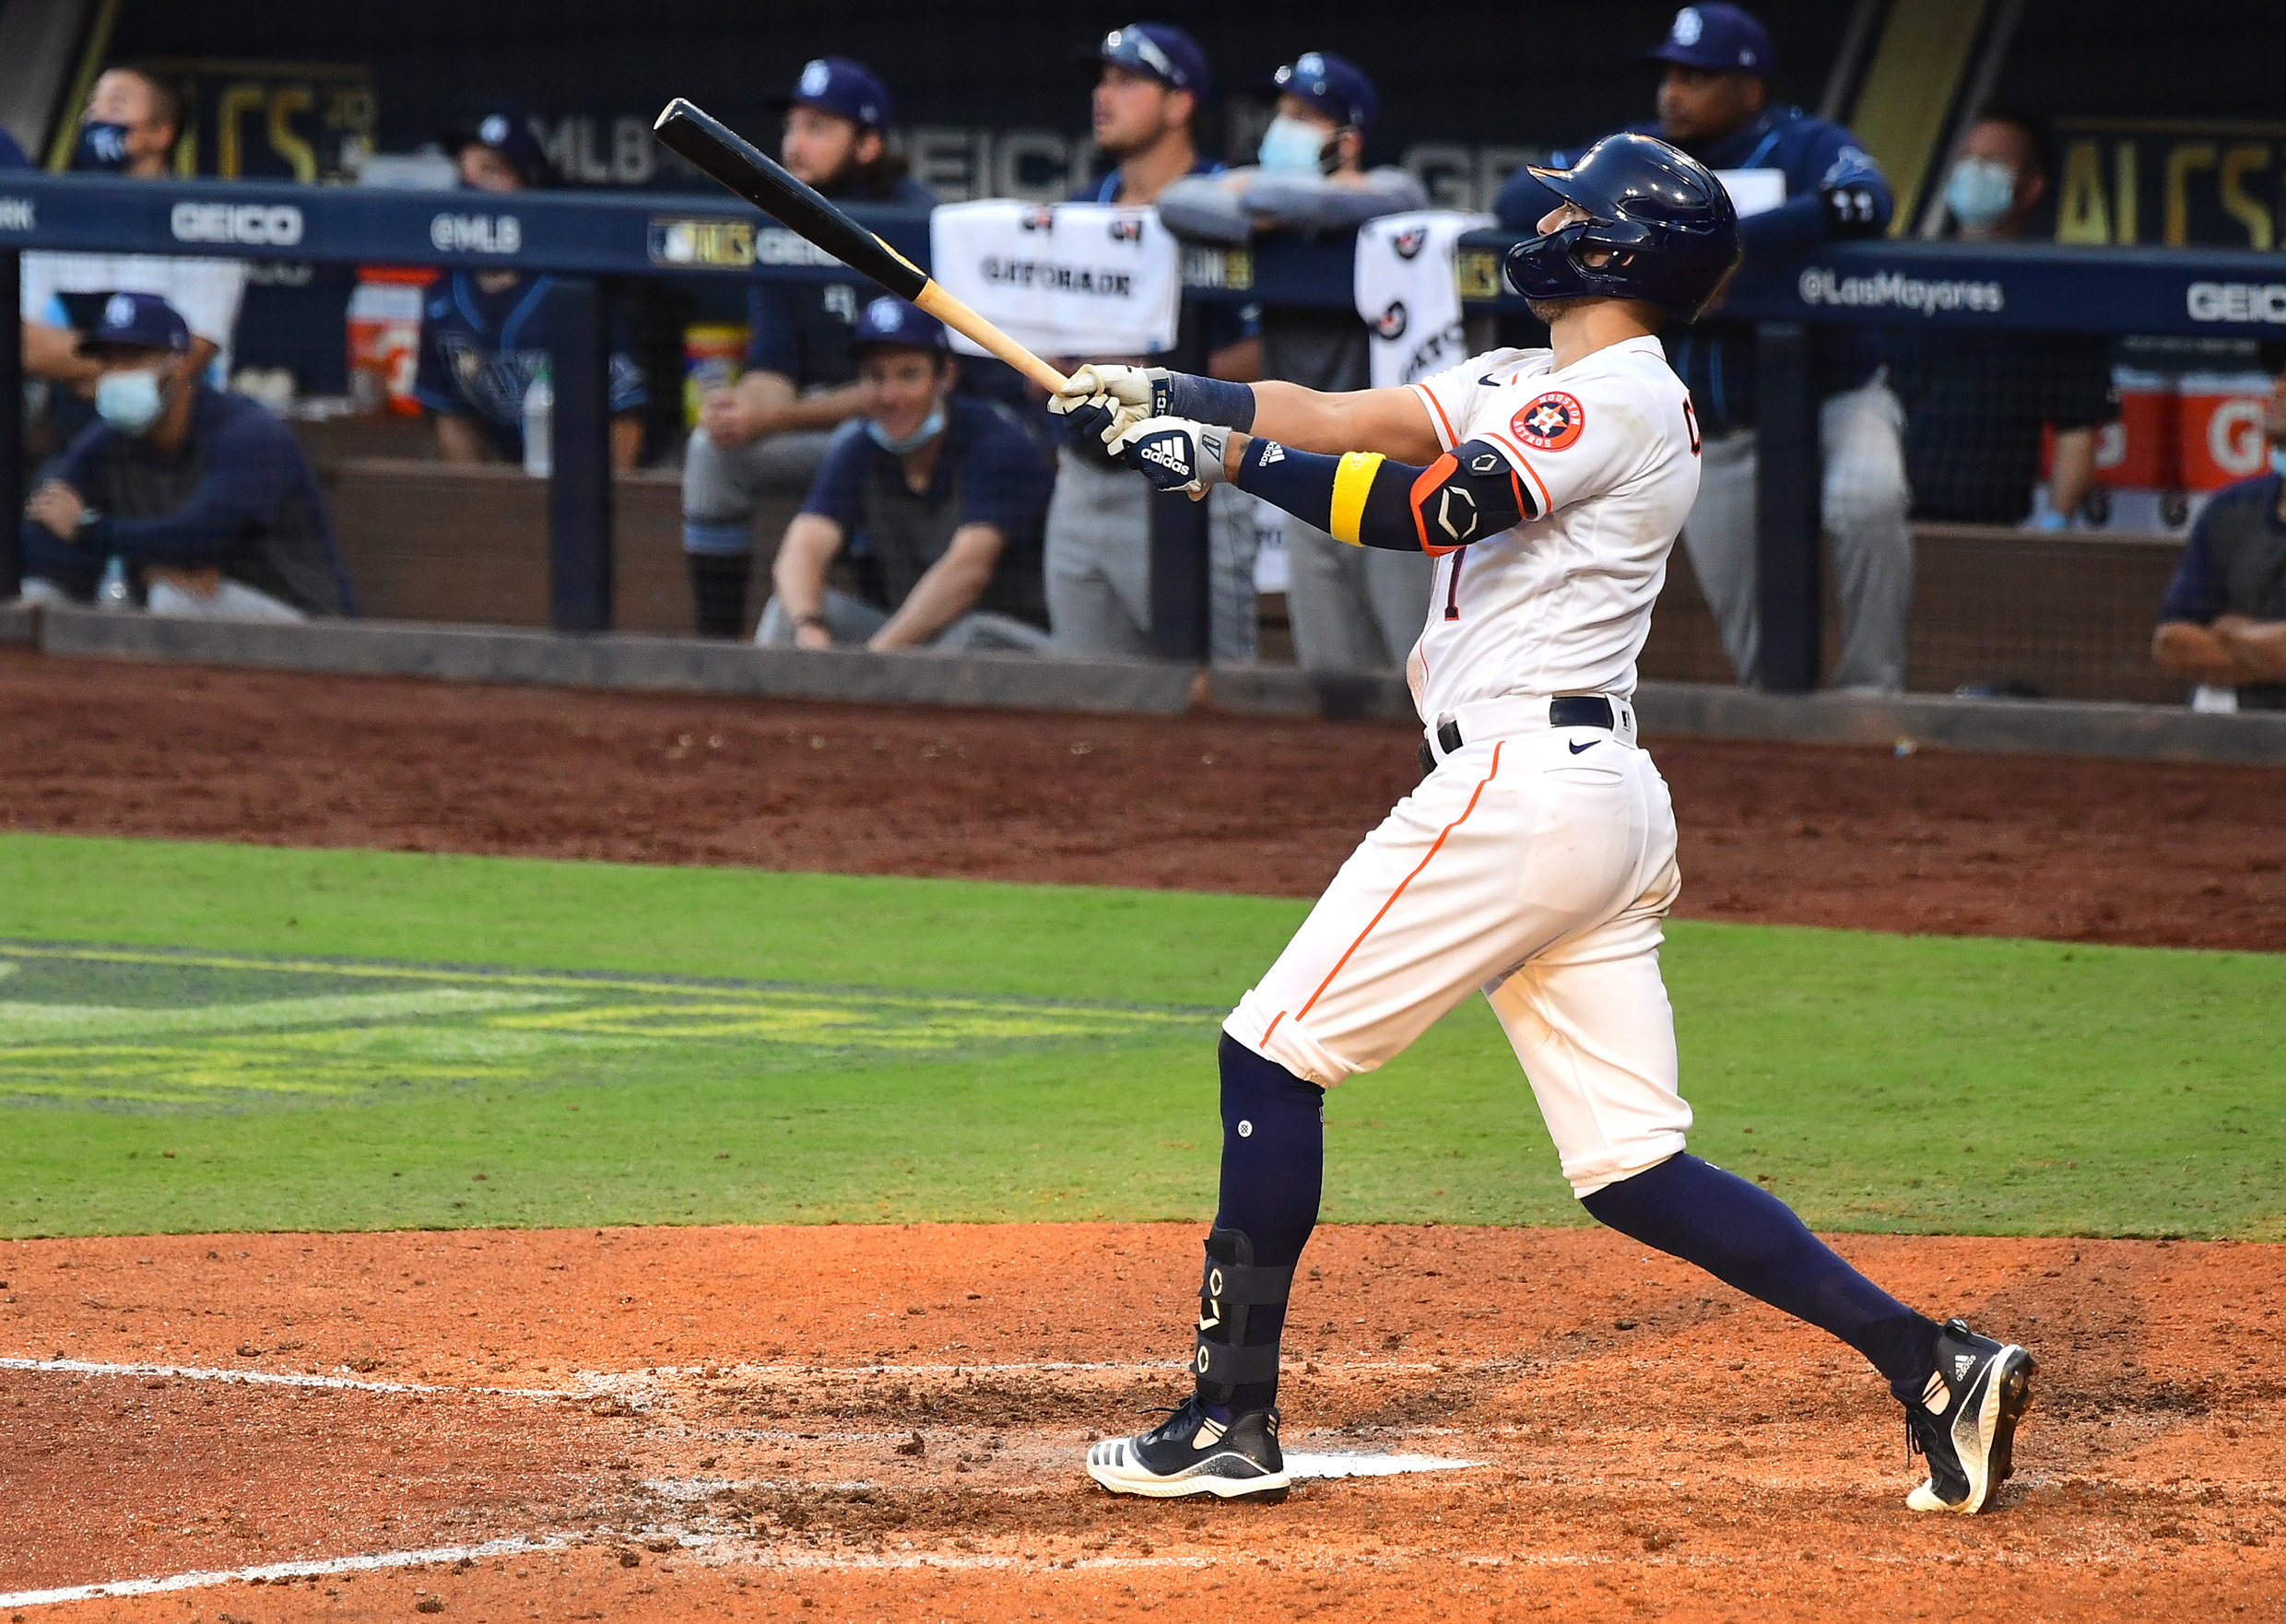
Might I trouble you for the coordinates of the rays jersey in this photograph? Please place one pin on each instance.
(1608, 451)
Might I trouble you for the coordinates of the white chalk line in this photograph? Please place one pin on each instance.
(622, 1385)
(80, 1367)
(270, 1572)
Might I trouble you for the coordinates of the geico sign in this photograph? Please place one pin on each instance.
(2237, 301)
(257, 225)
(476, 234)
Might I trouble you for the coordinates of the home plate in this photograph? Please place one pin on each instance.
(1368, 1465)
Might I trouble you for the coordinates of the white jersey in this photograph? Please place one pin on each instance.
(206, 293)
(1608, 449)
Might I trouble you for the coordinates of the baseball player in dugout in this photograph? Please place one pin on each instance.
(1714, 103)
(1536, 861)
(1152, 82)
(1353, 610)
(767, 435)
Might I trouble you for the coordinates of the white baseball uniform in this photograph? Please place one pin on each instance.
(1534, 863)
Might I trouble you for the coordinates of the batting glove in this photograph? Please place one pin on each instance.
(1125, 395)
(1175, 454)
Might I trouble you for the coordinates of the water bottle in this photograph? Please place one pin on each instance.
(539, 411)
(112, 593)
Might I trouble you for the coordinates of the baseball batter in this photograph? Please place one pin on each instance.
(1537, 860)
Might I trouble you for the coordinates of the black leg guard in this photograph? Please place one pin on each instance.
(1230, 1290)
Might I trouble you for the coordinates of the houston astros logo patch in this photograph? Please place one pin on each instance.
(1550, 422)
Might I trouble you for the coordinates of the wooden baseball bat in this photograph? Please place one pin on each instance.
(725, 156)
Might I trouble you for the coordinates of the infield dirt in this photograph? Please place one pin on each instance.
(867, 1421)
(2068, 849)
(828, 1423)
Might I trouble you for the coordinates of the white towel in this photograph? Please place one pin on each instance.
(1405, 294)
(1067, 279)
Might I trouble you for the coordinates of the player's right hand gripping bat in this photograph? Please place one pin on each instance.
(723, 154)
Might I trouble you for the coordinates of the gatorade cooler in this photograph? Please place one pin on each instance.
(385, 338)
(2138, 452)
(713, 357)
(2138, 482)
(2220, 434)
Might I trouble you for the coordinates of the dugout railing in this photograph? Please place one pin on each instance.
(591, 239)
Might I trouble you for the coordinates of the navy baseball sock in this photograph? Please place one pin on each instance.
(1748, 1238)
(1273, 1167)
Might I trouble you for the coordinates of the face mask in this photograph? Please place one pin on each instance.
(931, 427)
(1291, 147)
(103, 146)
(1980, 192)
(129, 402)
(2278, 459)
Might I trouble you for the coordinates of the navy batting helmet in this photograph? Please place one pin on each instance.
(1664, 220)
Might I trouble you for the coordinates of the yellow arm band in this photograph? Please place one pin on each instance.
(1353, 476)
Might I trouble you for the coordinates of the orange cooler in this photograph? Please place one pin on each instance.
(385, 338)
(2219, 432)
(2138, 452)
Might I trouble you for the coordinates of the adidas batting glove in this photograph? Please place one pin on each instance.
(1175, 454)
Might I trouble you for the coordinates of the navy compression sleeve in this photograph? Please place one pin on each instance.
(1366, 499)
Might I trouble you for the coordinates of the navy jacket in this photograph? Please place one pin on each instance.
(1834, 190)
(238, 497)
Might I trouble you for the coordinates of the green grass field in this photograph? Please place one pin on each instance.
(214, 1038)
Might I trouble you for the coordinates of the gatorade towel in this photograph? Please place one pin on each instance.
(713, 357)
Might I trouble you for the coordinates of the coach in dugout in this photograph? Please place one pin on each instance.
(202, 494)
(946, 492)
(485, 335)
(767, 435)
(1352, 608)
(1713, 102)
(1976, 402)
(128, 128)
(2224, 622)
(1153, 81)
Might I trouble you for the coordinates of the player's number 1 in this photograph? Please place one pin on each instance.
(1452, 589)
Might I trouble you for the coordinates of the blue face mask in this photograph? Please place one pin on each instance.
(931, 427)
(129, 402)
(103, 146)
(2278, 459)
(1292, 147)
(1980, 192)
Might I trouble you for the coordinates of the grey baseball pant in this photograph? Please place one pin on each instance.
(1863, 498)
(1098, 564)
(1353, 609)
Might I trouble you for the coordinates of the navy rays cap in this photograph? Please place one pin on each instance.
(138, 321)
(892, 321)
(1721, 38)
(509, 137)
(846, 89)
(1158, 50)
(1335, 86)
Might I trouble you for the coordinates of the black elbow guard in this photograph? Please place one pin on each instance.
(1468, 494)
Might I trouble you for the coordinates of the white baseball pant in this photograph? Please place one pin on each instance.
(1537, 865)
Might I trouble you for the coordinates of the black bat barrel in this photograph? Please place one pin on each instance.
(728, 158)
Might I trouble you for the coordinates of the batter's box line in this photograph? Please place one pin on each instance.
(80, 1367)
(272, 1571)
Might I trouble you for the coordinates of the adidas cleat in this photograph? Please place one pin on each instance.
(1191, 1453)
(1966, 1421)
